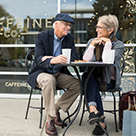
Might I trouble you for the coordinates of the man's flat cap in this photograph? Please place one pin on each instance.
(65, 17)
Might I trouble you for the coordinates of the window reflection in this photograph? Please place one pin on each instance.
(13, 59)
(21, 22)
(15, 84)
(88, 11)
(19, 25)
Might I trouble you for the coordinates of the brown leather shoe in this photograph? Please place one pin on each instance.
(58, 120)
(50, 128)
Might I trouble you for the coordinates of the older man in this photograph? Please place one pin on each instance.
(47, 76)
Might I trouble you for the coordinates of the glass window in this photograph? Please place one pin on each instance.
(14, 84)
(21, 20)
(89, 10)
(12, 59)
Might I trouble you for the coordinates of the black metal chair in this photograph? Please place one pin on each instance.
(113, 92)
(29, 61)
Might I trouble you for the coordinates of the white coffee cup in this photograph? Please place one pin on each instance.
(108, 56)
(67, 53)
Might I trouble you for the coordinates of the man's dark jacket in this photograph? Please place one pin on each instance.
(44, 47)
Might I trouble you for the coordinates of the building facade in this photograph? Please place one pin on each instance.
(22, 20)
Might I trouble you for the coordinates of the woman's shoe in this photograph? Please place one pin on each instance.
(95, 117)
(98, 130)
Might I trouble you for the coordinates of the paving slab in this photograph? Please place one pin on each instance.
(13, 122)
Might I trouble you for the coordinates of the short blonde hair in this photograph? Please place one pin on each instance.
(110, 21)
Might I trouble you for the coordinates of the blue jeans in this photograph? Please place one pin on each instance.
(92, 92)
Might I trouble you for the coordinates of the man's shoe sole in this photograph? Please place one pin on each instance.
(65, 124)
(56, 134)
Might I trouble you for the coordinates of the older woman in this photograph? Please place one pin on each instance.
(106, 29)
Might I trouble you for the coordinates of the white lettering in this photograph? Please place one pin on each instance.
(14, 33)
(1, 22)
(8, 22)
(39, 24)
(6, 84)
(16, 84)
(48, 23)
(6, 34)
(19, 23)
(27, 22)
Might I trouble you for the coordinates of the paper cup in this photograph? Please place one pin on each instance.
(112, 56)
(108, 56)
(67, 53)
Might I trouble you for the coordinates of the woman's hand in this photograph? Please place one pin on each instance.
(104, 40)
(96, 41)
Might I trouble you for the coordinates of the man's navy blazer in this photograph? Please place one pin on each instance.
(44, 47)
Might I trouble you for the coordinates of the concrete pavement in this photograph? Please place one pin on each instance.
(13, 122)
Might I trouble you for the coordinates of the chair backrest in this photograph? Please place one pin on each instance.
(29, 59)
(122, 65)
(103, 94)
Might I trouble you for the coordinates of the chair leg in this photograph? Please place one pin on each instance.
(82, 113)
(115, 116)
(29, 103)
(41, 111)
(119, 94)
(103, 129)
(68, 116)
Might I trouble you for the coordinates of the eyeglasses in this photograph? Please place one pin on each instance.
(98, 27)
(66, 24)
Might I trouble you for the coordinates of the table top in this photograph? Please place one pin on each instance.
(101, 64)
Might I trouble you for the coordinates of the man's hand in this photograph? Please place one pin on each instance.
(59, 59)
(46, 57)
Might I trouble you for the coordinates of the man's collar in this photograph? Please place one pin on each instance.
(57, 39)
